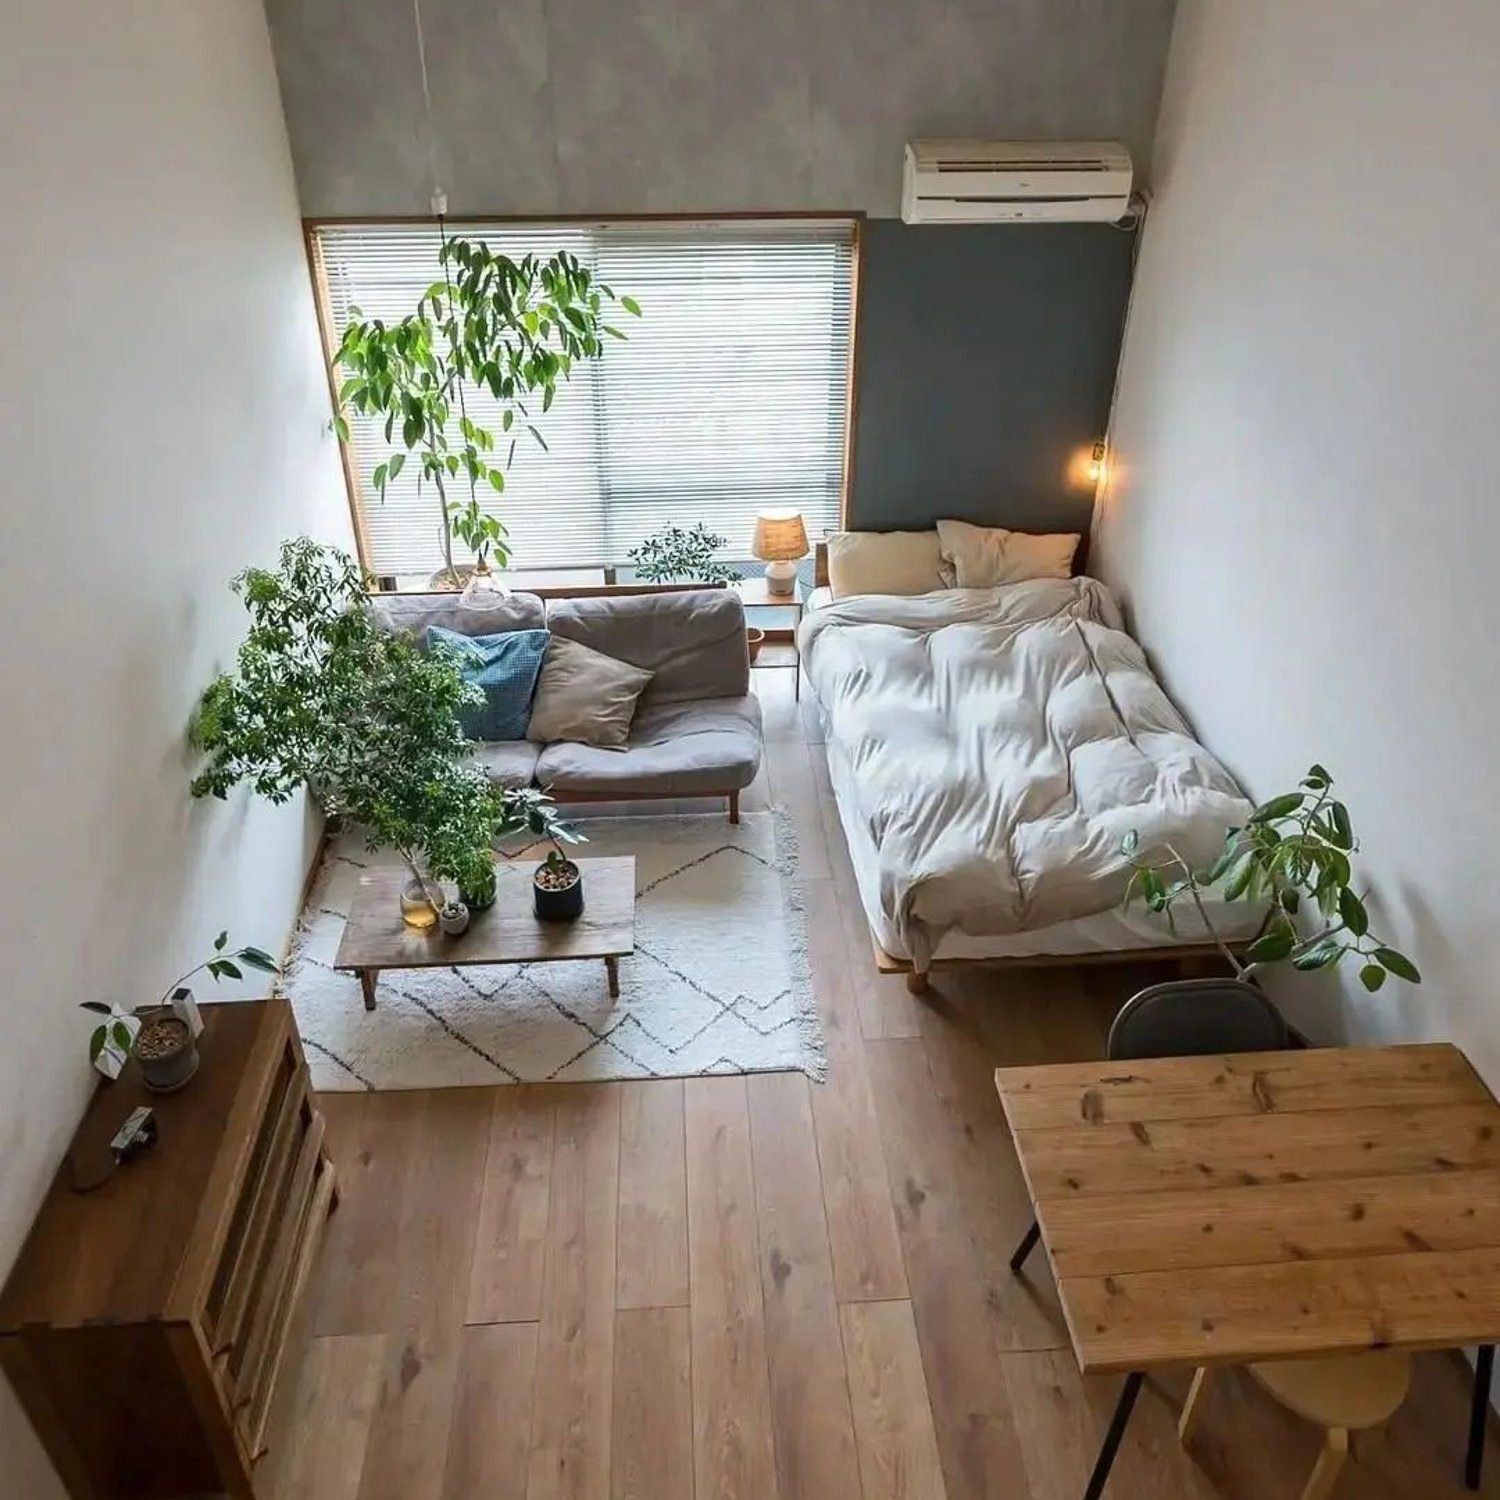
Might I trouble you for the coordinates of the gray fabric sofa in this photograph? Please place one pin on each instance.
(697, 728)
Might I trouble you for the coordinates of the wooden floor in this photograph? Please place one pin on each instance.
(748, 1288)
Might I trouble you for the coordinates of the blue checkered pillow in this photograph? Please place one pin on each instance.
(505, 668)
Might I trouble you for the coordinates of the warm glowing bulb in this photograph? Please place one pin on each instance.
(1096, 463)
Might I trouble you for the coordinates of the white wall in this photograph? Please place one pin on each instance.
(1303, 515)
(161, 414)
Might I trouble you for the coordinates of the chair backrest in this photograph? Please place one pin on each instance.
(1194, 1017)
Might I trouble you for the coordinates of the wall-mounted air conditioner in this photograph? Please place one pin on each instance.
(993, 182)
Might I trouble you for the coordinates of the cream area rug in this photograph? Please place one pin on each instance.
(718, 982)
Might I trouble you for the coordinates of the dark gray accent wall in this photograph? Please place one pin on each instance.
(696, 106)
(986, 359)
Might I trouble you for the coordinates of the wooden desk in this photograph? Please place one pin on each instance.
(1221, 1210)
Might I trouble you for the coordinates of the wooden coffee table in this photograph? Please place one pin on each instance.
(375, 937)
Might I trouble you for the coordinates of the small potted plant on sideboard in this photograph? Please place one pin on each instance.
(164, 1039)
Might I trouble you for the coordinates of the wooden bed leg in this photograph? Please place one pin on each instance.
(734, 807)
(916, 983)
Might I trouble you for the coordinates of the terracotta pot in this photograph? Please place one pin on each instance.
(755, 638)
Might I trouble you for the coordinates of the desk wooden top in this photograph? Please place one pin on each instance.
(508, 932)
(1210, 1210)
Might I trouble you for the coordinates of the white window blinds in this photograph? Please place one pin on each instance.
(730, 396)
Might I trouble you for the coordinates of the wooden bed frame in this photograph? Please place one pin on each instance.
(917, 983)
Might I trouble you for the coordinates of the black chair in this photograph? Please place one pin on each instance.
(1186, 1018)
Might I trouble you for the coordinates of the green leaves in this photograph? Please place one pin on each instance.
(512, 328)
(1272, 946)
(1398, 964)
(1277, 807)
(1293, 855)
(676, 554)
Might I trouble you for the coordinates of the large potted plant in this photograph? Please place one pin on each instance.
(323, 697)
(510, 331)
(1294, 856)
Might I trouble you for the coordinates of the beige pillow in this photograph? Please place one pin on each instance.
(985, 556)
(584, 696)
(884, 562)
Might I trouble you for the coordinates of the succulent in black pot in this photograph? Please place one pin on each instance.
(558, 888)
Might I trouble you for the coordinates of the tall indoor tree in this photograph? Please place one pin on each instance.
(514, 329)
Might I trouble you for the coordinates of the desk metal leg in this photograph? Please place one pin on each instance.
(1479, 1413)
(1027, 1245)
(1117, 1423)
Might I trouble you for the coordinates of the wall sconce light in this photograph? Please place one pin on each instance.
(1097, 460)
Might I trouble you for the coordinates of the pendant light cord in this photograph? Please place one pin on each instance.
(439, 204)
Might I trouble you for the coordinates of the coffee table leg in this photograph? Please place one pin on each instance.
(612, 968)
(367, 978)
(1105, 1462)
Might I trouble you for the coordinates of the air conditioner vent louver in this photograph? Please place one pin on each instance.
(978, 182)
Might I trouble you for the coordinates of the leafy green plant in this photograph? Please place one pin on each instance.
(515, 329)
(677, 554)
(529, 810)
(1293, 854)
(221, 964)
(322, 696)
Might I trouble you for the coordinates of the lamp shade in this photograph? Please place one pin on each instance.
(780, 536)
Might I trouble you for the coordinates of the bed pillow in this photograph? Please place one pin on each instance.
(585, 697)
(885, 562)
(504, 667)
(984, 556)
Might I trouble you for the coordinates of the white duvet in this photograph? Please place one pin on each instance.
(997, 744)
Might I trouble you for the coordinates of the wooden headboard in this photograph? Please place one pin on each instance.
(820, 565)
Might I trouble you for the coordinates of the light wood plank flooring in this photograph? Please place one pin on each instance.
(757, 1288)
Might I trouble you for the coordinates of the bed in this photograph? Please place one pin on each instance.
(988, 750)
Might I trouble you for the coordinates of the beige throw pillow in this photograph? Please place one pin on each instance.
(884, 562)
(986, 556)
(584, 696)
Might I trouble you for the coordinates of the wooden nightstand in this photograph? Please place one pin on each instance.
(755, 595)
(147, 1320)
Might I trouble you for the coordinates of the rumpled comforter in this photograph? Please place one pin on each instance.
(997, 745)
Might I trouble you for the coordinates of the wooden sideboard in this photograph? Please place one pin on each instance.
(146, 1322)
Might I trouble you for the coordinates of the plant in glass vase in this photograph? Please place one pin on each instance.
(494, 333)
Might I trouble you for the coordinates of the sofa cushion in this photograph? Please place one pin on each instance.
(507, 762)
(692, 640)
(416, 612)
(584, 695)
(504, 668)
(675, 750)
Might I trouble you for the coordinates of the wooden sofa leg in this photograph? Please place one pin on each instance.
(916, 983)
(734, 807)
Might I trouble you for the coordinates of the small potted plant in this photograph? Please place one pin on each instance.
(1293, 854)
(165, 1040)
(558, 888)
(476, 879)
(453, 918)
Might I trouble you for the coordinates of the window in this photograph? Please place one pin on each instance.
(730, 396)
